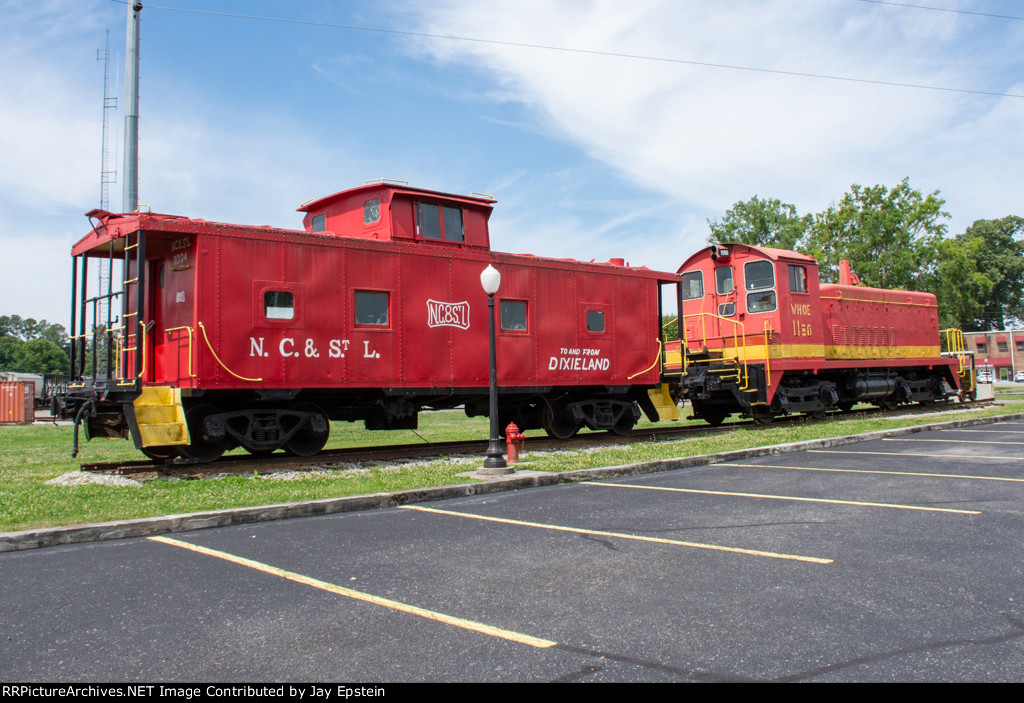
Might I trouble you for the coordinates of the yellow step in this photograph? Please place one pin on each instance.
(161, 417)
(663, 403)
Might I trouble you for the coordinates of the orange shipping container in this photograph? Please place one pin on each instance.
(16, 402)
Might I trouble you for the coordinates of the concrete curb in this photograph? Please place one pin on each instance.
(143, 527)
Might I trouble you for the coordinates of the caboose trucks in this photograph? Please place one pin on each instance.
(256, 336)
(762, 337)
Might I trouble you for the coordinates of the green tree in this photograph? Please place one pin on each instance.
(998, 253)
(769, 223)
(9, 352)
(957, 283)
(28, 328)
(40, 356)
(889, 236)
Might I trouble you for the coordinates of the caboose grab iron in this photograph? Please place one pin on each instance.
(231, 335)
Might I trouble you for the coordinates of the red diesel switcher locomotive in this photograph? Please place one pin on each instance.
(763, 337)
(229, 335)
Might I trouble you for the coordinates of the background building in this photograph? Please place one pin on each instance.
(1002, 350)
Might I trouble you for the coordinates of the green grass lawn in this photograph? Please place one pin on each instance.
(31, 455)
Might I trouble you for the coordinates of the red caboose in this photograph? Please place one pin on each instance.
(762, 337)
(254, 336)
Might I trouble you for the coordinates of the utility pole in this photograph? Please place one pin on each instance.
(130, 198)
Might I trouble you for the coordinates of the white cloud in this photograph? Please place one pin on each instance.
(709, 137)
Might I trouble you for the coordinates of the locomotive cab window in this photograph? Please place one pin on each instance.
(513, 315)
(278, 305)
(723, 280)
(727, 309)
(760, 286)
(797, 279)
(693, 285)
(372, 308)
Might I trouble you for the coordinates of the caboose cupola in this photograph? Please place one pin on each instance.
(389, 211)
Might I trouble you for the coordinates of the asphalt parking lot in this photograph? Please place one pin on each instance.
(890, 560)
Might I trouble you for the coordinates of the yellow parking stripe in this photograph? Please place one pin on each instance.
(794, 498)
(926, 456)
(958, 441)
(621, 535)
(878, 471)
(376, 600)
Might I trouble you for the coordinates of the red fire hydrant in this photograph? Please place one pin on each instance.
(514, 440)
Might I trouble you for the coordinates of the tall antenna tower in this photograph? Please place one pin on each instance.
(107, 175)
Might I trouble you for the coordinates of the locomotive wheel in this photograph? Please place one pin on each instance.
(845, 406)
(161, 453)
(763, 418)
(713, 419)
(203, 447)
(307, 441)
(558, 421)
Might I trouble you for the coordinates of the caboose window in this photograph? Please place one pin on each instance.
(278, 305)
(453, 224)
(595, 321)
(797, 279)
(371, 211)
(693, 285)
(428, 220)
(371, 308)
(319, 223)
(723, 280)
(513, 315)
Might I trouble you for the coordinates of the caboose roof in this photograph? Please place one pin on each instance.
(319, 203)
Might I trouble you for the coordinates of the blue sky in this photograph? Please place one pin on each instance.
(589, 155)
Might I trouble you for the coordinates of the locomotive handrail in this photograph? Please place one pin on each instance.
(178, 329)
(656, 360)
(737, 326)
(956, 346)
(202, 328)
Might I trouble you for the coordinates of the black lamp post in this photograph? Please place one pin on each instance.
(490, 279)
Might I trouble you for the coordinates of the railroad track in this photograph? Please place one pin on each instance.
(244, 464)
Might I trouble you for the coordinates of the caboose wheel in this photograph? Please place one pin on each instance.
(624, 425)
(161, 453)
(309, 440)
(558, 421)
(204, 447)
